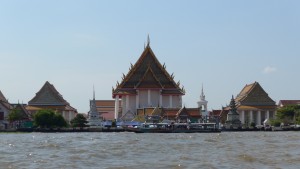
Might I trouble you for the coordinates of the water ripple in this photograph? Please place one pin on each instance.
(130, 150)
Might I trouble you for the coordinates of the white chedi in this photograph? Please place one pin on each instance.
(203, 104)
(94, 118)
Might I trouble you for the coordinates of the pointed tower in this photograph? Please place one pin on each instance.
(202, 104)
(146, 85)
(233, 117)
(94, 118)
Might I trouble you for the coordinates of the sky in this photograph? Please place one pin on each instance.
(75, 44)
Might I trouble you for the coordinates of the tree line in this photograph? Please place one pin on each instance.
(47, 118)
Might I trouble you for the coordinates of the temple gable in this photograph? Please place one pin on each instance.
(48, 95)
(255, 95)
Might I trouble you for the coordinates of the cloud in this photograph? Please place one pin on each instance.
(269, 70)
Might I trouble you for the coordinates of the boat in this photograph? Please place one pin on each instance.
(175, 128)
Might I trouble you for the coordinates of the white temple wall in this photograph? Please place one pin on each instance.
(4, 110)
(132, 103)
(154, 98)
(143, 98)
(166, 101)
(123, 106)
(176, 101)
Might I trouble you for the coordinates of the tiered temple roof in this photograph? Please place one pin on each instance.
(147, 73)
(253, 95)
(48, 96)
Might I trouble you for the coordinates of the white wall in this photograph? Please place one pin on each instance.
(132, 104)
(176, 101)
(3, 109)
(154, 100)
(165, 101)
(143, 98)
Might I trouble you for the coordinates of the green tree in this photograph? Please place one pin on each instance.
(275, 122)
(47, 118)
(59, 120)
(15, 115)
(79, 121)
(289, 114)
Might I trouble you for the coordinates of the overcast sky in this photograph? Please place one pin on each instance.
(223, 45)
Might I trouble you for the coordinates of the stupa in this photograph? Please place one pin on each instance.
(94, 118)
(233, 120)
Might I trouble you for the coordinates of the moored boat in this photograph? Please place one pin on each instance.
(175, 128)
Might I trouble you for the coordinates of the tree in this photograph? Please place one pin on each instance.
(79, 121)
(15, 115)
(59, 120)
(289, 114)
(47, 118)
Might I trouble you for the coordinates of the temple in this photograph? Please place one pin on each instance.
(253, 105)
(49, 98)
(146, 85)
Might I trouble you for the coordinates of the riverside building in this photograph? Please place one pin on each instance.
(253, 105)
(49, 98)
(149, 90)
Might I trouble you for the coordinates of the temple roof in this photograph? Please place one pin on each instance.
(147, 73)
(191, 112)
(254, 95)
(48, 95)
(282, 103)
(215, 112)
(4, 101)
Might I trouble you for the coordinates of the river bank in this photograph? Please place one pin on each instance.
(117, 129)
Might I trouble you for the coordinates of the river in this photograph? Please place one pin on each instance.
(131, 150)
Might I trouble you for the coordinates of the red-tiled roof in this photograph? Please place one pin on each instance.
(288, 102)
(215, 113)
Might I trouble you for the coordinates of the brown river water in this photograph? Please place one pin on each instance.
(150, 150)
